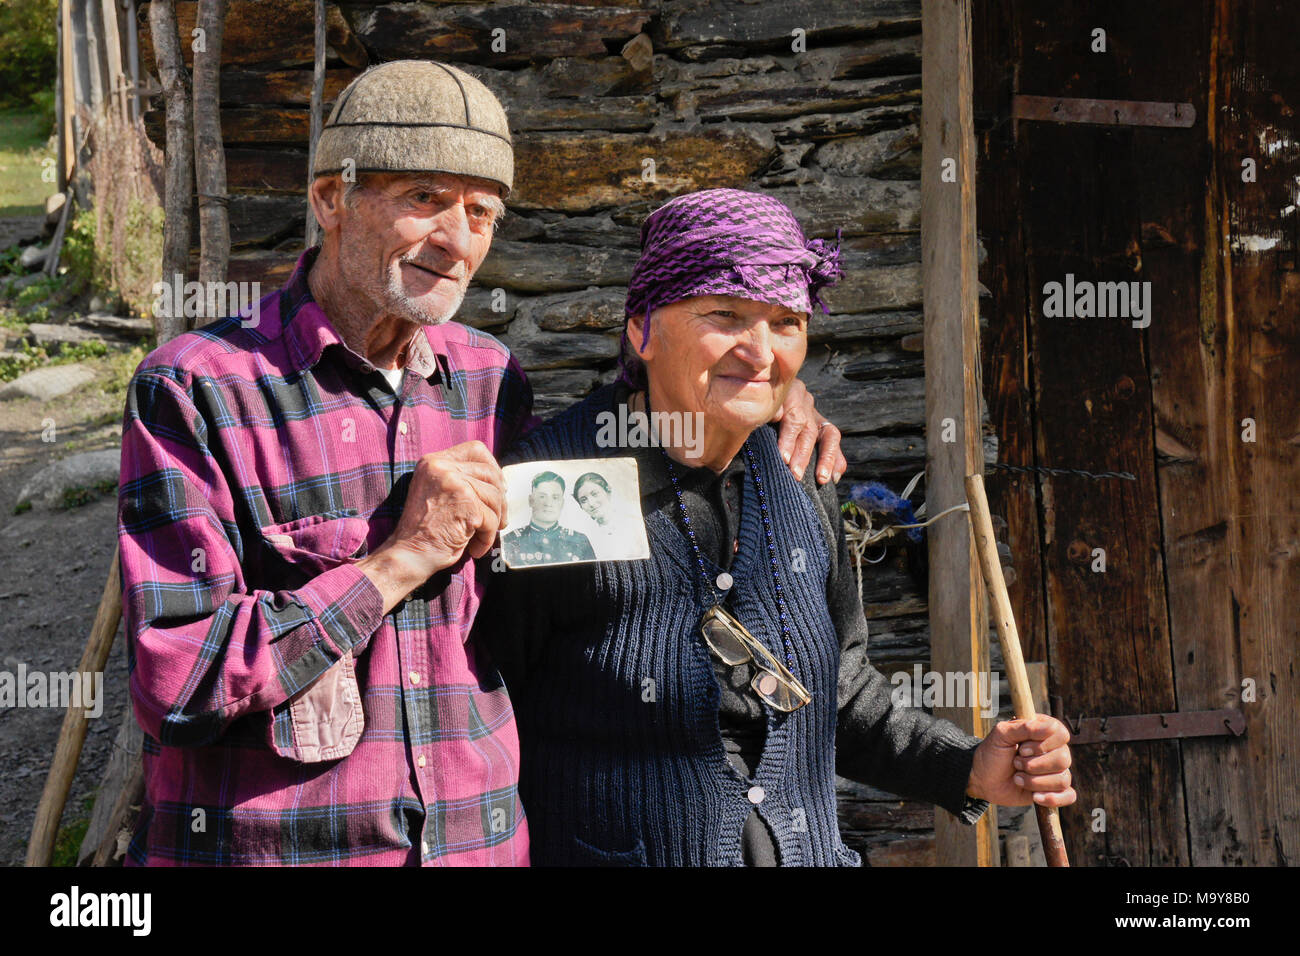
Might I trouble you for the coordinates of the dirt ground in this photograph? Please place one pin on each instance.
(52, 571)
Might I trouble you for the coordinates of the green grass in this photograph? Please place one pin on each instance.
(76, 497)
(121, 366)
(35, 356)
(68, 842)
(120, 363)
(24, 141)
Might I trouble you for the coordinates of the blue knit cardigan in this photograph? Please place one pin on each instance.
(622, 760)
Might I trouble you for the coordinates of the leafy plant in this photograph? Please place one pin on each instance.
(68, 843)
(85, 263)
(76, 497)
(26, 359)
(28, 51)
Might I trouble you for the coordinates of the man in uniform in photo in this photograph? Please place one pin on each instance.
(544, 540)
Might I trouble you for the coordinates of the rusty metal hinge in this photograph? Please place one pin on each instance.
(1195, 723)
(1069, 109)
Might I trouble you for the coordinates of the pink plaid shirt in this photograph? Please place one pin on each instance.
(287, 720)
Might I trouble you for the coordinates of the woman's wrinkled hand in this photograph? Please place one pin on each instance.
(1022, 762)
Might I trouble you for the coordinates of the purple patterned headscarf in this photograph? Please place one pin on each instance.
(727, 242)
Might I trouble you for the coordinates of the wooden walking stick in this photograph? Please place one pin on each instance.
(1022, 699)
(72, 735)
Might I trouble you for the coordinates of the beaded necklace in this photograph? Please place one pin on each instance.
(767, 531)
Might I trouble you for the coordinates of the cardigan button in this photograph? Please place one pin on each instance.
(756, 795)
(724, 581)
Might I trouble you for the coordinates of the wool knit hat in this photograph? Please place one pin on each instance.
(411, 116)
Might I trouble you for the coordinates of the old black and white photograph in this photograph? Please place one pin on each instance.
(565, 512)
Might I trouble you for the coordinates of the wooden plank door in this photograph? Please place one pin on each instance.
(1202, 547)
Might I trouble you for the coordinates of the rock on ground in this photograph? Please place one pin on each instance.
(44, 384)
(45, 489)
(33, 257)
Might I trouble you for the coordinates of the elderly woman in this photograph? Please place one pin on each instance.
(694, 708)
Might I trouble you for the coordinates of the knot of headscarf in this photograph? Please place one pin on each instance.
(826, 271)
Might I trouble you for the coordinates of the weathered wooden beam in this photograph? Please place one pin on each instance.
(116, 92)
(508, 33)
(260, 220)
(209, 156)
(958, 616)
(578, 172)
(312, 231)
(252, 126)
(272, 33)
(783, 96)
(265, 170)
(252, 87)
(689, 22)
(119, 790)
(270, 267)
(1018, 851)
(178, 189)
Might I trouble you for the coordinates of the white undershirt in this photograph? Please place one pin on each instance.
(394, 376)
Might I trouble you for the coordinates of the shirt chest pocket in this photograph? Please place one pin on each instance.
(325, 720)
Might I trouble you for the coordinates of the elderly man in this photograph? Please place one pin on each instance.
(302, 497)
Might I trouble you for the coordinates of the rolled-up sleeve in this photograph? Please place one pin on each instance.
(204, 646)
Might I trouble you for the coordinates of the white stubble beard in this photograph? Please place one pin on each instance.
(400, 302)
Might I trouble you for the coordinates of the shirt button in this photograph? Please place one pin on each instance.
(424, 847)
(419, 761)
(415, 677)
(724, 581)
(367, 367)
(756, 795)
(401, 427)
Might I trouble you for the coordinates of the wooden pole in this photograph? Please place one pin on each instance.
(96, 62)
(60, 109)
(133, 58)
(209, 154)
(178, 191)
(958, 623)
(1022, 696)
(116, 92)
(69, 98)
(72, 735)
(317, 97)
(120, 793)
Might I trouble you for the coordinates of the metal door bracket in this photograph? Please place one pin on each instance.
(1197, 723)
(1064, 109)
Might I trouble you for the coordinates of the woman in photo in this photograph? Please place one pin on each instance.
(610, 539)
(694, 708)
